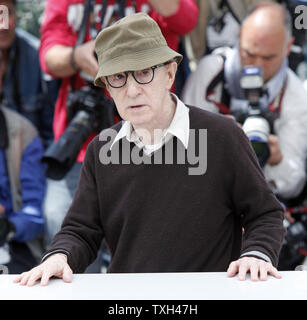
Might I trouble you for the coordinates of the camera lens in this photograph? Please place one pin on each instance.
(257, 130)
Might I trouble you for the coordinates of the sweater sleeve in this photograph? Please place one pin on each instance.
(260, 211)
(81, 232)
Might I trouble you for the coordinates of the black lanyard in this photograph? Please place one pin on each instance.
(120, 8)
(119, 12)
(4, 139)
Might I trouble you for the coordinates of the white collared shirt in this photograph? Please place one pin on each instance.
(179, 127)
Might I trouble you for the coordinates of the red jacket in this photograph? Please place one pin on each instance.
(62, 19)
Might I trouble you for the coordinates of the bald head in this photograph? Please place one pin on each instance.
(265, 38)
(270, 16)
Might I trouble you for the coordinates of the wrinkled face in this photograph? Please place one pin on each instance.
(264, 49)
(144, 105)
(7, 35)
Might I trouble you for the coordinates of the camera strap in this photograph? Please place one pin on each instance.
(88, 8)
(226, 4)
(223, 105)
(119, 10)
(276, 106)
(4, 139)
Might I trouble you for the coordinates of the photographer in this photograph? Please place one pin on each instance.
(25, 88)
(265, 40)
(22, 187)
(63, 55)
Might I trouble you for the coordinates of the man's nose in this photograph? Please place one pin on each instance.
(258, 62)
(133, 88)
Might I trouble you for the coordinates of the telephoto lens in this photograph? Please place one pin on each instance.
(257, 130)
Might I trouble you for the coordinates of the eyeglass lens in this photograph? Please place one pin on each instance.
(142, 76)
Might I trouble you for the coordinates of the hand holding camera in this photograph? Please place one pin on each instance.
(84, 58)
(275, 151)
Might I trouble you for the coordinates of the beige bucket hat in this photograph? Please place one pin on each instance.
(132, 43)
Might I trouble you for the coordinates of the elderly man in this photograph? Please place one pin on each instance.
(157, 215)
(265, 41)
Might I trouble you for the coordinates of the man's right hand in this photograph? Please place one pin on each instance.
(56, 265)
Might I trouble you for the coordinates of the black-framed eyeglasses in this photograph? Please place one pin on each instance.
(144, 76)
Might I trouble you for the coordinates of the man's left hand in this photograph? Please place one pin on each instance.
(258, 268)
(276, 154)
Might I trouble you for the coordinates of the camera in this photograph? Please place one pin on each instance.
(88, 110)
(294, 247)
(257, 123)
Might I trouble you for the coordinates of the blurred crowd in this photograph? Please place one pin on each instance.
(243, 59)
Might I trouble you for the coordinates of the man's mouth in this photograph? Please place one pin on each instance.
(137, 106)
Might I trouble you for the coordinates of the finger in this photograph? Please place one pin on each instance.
(232, 269)
(45, 278)
(273, 139)
(274, 272)
(18, 278)
(263, 273)
(25, 278)
(67, 274)
(254, 271)
(243, 268)
(34, 276)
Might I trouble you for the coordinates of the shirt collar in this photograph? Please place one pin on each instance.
(179, 126)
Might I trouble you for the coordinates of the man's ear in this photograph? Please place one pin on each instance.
(289, 45)
(171, 72)
(103, 79)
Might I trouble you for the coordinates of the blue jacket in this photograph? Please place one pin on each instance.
(26, 89)
(27, 216)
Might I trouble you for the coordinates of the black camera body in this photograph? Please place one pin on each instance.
(257, 123)
(88, 110)
(92, 102)
(294, 248)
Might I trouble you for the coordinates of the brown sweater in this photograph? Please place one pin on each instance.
(158, 218)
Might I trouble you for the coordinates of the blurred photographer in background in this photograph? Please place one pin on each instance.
(25, 88)
(22, 187)
(253, 83)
